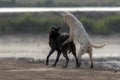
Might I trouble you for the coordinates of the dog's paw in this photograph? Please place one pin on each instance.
(77, 66)
(91, 66)
(54, 65)
(47, 64)
(64, 66)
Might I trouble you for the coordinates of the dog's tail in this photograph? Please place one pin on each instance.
(98, 46)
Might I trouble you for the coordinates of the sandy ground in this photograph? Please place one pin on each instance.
(11, 69)
(37, 47)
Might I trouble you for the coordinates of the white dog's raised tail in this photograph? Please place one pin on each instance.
(98, 46)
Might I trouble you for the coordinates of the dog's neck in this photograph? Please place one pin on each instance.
(71, 20)
(54, 36)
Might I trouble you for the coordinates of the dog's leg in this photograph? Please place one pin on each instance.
(91, 60)
(90, 55)
(58, 55)
(80, 53)
(69, 39)
(74, 54)
(77, 64)
(47, 60)
(67, 59)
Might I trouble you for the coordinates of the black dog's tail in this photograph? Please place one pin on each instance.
(67, 48)
(72, 47)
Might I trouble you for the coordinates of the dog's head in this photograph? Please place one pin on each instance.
(54, 31)
(65, 15)
(68, 17)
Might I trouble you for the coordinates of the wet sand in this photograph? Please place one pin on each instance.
(11, 69)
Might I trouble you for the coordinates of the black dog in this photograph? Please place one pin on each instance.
(55, 41)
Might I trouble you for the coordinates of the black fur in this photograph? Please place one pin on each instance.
(55, 41)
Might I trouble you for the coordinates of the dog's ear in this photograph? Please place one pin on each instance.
(63, 13)
(58, 28)
(68, 12)
(52, 27)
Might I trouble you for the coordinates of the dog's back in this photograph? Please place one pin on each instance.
(62, 37)
(55, 42)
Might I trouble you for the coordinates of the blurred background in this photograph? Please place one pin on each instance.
(25, 35)
(97, 23)
(58, 3)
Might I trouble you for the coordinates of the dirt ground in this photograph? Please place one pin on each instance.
(11, 69)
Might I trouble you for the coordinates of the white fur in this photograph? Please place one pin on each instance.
(78, 33)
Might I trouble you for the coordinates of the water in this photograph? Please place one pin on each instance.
(36, 47)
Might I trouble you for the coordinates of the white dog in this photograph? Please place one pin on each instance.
(78, 33)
